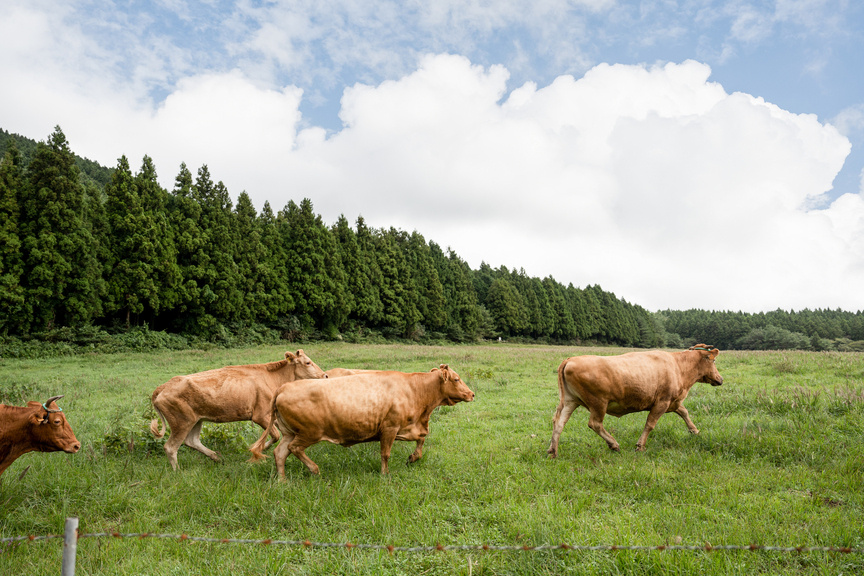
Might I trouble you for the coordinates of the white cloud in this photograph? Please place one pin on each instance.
(850, 120)
(652, 181)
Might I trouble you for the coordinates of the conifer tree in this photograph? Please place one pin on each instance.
(313, 268)
(503, 303)
(368, 306)
(430, 294)
(272, 273)
(11, 262)
(220, 274)
(185, 216)
(563, 325)
(62, 279)
(160, 235)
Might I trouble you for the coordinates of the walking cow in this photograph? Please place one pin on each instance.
(654, 381)
(365, 407)
(228, 394)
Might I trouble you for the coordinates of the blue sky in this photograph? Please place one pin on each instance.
(590, 140)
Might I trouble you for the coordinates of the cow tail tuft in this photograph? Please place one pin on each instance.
(154, 424)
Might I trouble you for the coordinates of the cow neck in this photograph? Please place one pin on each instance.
(13, 418)
(431, 391)
(13, 423)
(687, 361)
(286, 373)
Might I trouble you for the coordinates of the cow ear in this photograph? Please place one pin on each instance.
(714, 353)
(300, 352)
(289, 356)
(37, 419)
(444, 367)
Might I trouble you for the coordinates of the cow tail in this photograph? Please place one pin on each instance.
(561, 385)
(257, 448)
(154, 424)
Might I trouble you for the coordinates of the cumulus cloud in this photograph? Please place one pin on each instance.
(652, 181)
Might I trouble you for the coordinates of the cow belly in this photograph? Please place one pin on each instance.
(413, 432)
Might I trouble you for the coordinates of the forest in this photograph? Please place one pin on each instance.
(87, 251)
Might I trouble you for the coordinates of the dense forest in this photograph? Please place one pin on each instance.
(86, 247)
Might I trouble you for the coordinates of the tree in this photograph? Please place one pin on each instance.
(184, 212)
(503, 303)
(313, 268)
(62, 279)
(11, 262)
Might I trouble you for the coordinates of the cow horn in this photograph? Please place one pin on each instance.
(53, 399)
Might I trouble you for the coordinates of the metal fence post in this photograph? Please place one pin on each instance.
(70, 545)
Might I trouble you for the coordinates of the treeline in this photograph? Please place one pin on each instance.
(74, 253)
(777, 330)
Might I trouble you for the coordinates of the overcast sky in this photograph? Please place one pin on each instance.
(682, 154)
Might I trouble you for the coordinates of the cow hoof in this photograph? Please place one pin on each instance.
(640, 448)
(615, 448)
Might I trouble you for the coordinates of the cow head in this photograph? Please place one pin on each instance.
(452, 387)
(49, 429)
(706, 366)
(304, 367)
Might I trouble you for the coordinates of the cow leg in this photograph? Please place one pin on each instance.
(298, 449)
(682, 412)
(595, 422)
(562, 415)
(418, 451)
(179, 431)
(653, 416)
(388, 436)
(193, 440)
(281, 454)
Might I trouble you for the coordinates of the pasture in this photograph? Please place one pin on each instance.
(779, 461)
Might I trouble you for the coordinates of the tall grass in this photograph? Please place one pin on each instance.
(778, 461)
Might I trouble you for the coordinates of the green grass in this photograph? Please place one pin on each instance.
(778, 462)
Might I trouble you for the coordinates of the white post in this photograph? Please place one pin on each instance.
(70, 544)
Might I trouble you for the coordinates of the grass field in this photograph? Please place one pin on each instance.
(778, 462)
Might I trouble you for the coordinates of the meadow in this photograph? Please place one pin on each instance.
(779, 461)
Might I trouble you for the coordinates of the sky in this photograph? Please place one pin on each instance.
(681, 154)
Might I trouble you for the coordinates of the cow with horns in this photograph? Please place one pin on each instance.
(35, 427)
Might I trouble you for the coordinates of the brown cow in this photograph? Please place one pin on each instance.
(229, 394)
(339, 372)
(383, 406)
(655, 381)
(35, 427)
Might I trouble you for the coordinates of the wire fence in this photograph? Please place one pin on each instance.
(71, 538)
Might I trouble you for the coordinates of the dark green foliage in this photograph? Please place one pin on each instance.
(806, 329)
(62, 280)
(313, 267)
(142, 274)
(11, 262)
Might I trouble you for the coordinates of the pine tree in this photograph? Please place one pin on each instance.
(314, 270)
(11, 262)
(184, 212)
(430, 294)
(159, 234)
(62, 277)
(368, 306)
(272, 272)
(503, 303)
